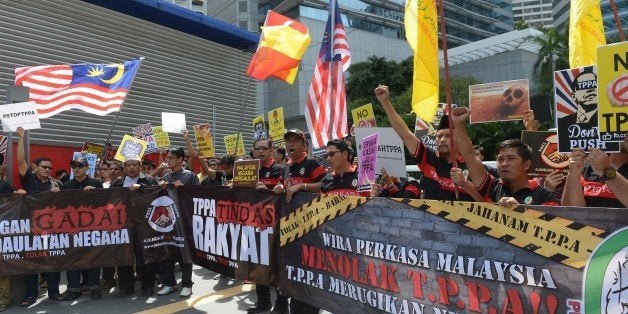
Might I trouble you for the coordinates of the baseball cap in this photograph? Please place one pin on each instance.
(297, 132)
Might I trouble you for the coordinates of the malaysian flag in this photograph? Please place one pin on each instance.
(96, 88)
(326, 107)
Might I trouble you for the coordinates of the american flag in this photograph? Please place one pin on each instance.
(326, 107)
(95, 88)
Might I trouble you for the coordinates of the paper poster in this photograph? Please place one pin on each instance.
(390, 150)
(145, 132)
(130, 146)
(577, 110)
(364, 117)
(173, 122)
(204, 140)
(230, 144)
(613, 91)
(499, 101)
(22, 114)
(259, 127)
(426, 131)
(367, 162)
(246, 173)
(545, 155)
(276, 126)
(162, 139)
(91, 163)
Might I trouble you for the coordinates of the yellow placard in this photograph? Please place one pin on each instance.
(259, 127)
(276, 126)
(364, 117)
(230, 144)
(612, 91)
(204, 141)
(130, 146)
(162, 140)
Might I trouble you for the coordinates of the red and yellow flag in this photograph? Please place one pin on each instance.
(586, 32)
(280, 49)
(422, 35)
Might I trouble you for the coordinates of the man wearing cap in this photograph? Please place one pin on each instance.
(436, 166)
(301, 173)
(177, 176)
(82, 181)
(148, 166)
(38, 180)
(135, 180)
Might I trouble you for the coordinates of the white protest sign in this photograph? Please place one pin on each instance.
(22, 114)
(390, 152)
(173, 122)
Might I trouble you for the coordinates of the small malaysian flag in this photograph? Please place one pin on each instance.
(95, 88)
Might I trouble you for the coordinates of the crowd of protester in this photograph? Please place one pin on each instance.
(594, 178)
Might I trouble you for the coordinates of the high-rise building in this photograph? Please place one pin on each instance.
(533, 12)
(561, 16)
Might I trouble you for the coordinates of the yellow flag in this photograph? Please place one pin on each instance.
(586, 32)
(422, 35)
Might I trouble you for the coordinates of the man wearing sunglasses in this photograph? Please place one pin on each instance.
(343, 180)
(269, 176)
(82, 181)
(38, 180)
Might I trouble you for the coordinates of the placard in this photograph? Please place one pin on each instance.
(162, 139)
(545, 155)
(364, 117)
(145, 132)
(390, 150)
(204, 140)
(246, 173)
(91, 163)
(276, 126)
(259, 127)
(613, 91)
(230, 144)
(93, 148)
(367, 162)
(499, 101)
(130, 146)
(22, 114)
(173, 122)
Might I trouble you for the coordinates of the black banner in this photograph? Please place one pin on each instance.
(232, 231)
(67, 230)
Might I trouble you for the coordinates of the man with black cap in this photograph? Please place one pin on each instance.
(82, 181)
(301, 173)
(135, 180)
(436, 166)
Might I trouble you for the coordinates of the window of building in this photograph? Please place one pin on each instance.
(244, 24)
(242, 6)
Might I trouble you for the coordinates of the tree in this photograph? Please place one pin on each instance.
(553, 55)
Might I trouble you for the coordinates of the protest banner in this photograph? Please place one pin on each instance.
(276, 126)
(22, 114)
(162, 139)
(130, 146)
(172, 122)
(545, 155)
(71, 229)
(367, 162)
(145, 132)
(499, 101)
(230, 144)
(93, 148)
(232, 231)
(204, 140)
(259, 127)
(364, 117)
(613, 91)
(428, 256)
(91, 163)
(246, 173)
(426, 131)
(576, 103)
(390, 151)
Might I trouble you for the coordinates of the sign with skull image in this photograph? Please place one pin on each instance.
(500, 101)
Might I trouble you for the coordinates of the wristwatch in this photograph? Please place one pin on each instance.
(609, 174)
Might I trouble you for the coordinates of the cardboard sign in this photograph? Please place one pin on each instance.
(276, 126)
(367, 162)
(390, 150)
(364, 117)
(145, 132)
(259, 127)
(500, 101)
(545, 155)
(577, 110)
(204, 141)
(246, 173)
(173, 122)
(91, 163)
(542, 107)
(230, 144)
(162, 139)
(130, 146)
(22, 114)
(613, 91)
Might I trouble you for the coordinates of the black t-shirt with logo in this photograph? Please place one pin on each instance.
(345, 184)
(270, 174)
(304, 170)
(493, 190)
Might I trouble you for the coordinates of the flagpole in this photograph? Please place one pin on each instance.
(443, 27)
(115, 119)
(620, 28)
(330, 78)
(246, 97)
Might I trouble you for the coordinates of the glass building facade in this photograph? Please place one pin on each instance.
(561, 16)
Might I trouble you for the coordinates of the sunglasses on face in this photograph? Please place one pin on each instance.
(331, 154)
(77, 165)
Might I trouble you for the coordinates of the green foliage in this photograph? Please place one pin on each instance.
(489, 135)
(553, 55)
